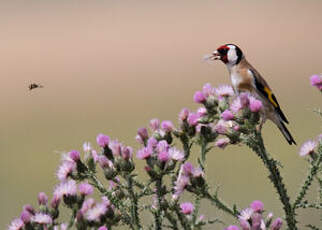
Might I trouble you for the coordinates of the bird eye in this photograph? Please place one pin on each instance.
(223, 51)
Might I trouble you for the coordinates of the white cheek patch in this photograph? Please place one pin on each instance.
(232, 55)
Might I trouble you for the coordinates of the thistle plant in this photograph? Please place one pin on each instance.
(111, 172)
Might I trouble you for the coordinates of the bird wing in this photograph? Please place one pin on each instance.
(265, 91)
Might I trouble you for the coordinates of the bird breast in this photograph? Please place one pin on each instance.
(236, 79)
(241, 80)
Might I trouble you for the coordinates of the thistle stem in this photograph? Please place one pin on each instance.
(182, 220)
(203, 154)
(172, 220)
(72, 219)
(308, 181)
(257, 145)
(134, 204)
(221, 205)
(157, 216)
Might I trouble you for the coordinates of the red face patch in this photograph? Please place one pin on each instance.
(223, 50)
(223, 47)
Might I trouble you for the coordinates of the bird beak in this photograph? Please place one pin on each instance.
(212, 57)
(216, 55)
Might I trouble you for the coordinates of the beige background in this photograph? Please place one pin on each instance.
(110, 66)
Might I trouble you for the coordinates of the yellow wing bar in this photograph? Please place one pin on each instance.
(270, 96)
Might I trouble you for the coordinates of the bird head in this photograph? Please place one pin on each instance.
(229, 54)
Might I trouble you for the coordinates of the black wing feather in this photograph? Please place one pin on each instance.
(268, 94)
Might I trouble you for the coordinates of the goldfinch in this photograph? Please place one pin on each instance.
(245, 78)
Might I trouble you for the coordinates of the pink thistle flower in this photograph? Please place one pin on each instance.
(316, 81)
(155, 124)
(85, 189)
(244, 99)
(87, 147)
(236, 105)
(94, 155)
(236, 127)
(54, 203)
(277, 224)
(41, 218)
(199, 97)
(227, 115)
(257, 206)
(187, 208)
(176, 154)
(183, 115)
(116, 147)
(224, 91)
(66, 158)
(187, 168)
(222, 142)
(102, 140)
(221, 127)
(96, 212)
(307, 148)
(42, 198)
(232, 227)
(180, 184)
(16, 224)
(66, 188)
(74, 155)
(244, 224)
(127, 153)
(202, 111)
(201, 217)
(65, 169)
(197, 172)
(143, 133)
(255, 105)
(104, 162)
(193, 119)
(246, 214)
(102, 228)
(162, 146)
(106, 201)
(25, 216)
(164, 156)
(256, 220)
(139, 139)
(87, 204)
(152, 143)
(269, 216)
(167, 126)
(144, 153)
(29, 209)
(208, 90)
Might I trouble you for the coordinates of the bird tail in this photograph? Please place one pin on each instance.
(285, 132)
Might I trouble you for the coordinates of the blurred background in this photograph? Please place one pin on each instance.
(111, 66)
